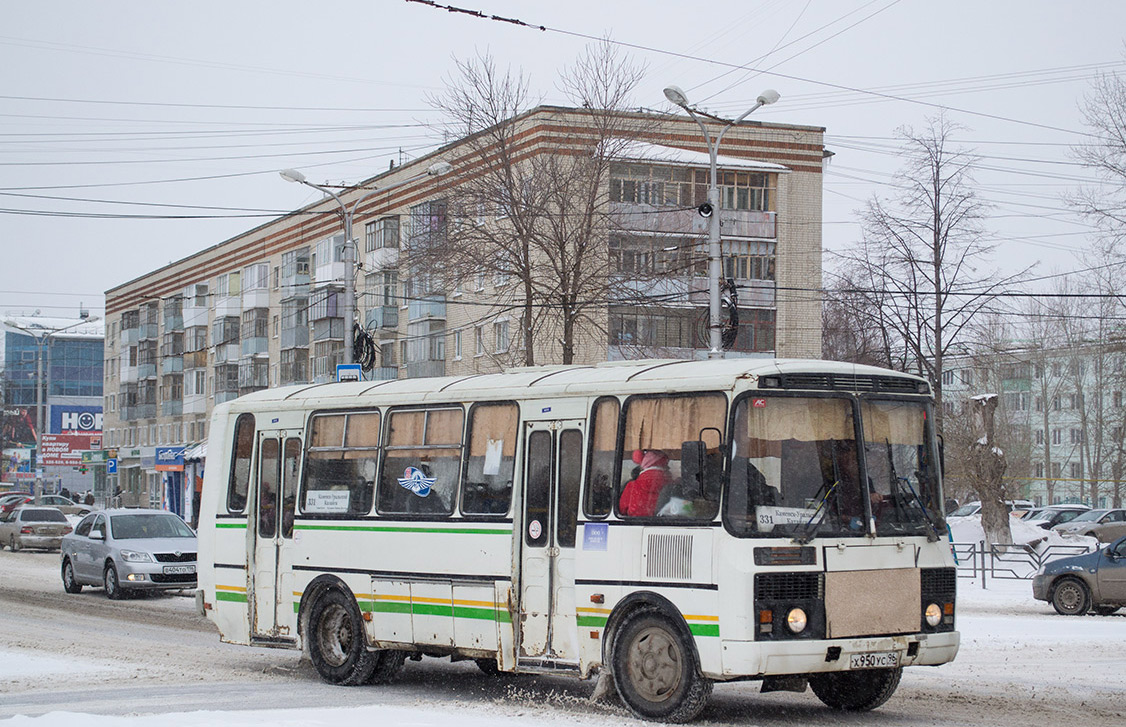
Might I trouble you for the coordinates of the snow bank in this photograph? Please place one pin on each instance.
(968, 530)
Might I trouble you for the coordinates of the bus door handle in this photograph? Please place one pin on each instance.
(553, 551)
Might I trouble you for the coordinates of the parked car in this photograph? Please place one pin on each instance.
(12, 500)
(68, 506)
(129, 550)
(974, 508)
(1105, 524)
(1081, 583)
(32, 526)
(1049, 517)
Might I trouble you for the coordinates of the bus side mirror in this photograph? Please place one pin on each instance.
(692, 466)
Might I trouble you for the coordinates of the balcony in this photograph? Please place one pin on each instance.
(433, 306)
(222, 396)
(733, 223)
(172, 407)
(384, 373)
(172, 365)
(257, 298)
(385, 316)
(143, 411)
(195, 315)
(146, 371)
(297, 337)
(195, 360)
(195, 404)
(227, 353)
(148, 332)
(421, 369)
(254, 346)
(130, 336)
(129, 374)
(228, 306)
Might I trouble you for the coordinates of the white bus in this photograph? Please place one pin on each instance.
(667, 524)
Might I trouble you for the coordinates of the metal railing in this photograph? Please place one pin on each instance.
(1007, 561)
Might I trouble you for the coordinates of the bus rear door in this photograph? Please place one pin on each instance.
(271, 575)
(546, 627)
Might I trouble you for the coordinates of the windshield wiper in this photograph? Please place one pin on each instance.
(896, 492)
(810, 528)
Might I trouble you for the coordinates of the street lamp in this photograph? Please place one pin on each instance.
(677, 96)
(292, 175)
(42, 336)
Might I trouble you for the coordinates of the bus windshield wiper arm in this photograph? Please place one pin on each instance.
(810, 528)
(895, 488)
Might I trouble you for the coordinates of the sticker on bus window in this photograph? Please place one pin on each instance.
(760, 403)
(323, 501)
(535, 530)
(595, 536)
(768, 516)
(416, 481)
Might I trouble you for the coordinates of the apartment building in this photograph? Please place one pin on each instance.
(1061, 416)
(265, 308)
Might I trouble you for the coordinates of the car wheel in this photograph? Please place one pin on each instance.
(114, 591)
(70, 585)
(14, 544)
(655, 669)
(1106, 610)
(1070, 597)
(337, 645)
(855, 691)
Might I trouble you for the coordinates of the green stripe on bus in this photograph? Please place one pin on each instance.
(437, 609)
(704, 629)
(230, 526)
(597, 622)
(228, 596)
(401, 529)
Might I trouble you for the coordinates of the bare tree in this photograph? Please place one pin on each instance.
(918, 264)
(1104, 112)
(987, 467)
(533, 217)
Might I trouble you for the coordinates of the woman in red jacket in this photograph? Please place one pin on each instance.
(639, 497)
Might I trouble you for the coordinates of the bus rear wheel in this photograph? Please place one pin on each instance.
(855, 691)
(655, 670)
(337, 645)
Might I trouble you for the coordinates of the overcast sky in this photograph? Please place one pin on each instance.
(116, 117)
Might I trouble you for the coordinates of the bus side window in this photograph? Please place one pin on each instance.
(422, 463)
(491, 460)
(239, 482)
(599, 497)
(340, 465)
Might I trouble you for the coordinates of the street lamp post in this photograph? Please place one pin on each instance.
(348, 213)
(715, 268)
(42, 337)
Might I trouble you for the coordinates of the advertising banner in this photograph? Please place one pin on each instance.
(170, 459)
(18, 424)
(66, 449)
(72, 419)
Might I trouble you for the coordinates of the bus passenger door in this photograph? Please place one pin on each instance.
(271, 575)
(553, 457)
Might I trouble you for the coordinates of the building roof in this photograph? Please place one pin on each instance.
(659, 153)
(38, 325)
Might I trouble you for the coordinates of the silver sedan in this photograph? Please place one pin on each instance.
(31, 526)
(129, 550)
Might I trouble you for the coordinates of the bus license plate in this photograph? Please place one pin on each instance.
(876, 660)
(175, 570)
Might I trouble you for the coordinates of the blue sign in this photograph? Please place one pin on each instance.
(416, 481)
(72, 419)
(349, 372)
(169, 459)
(595, 536)
(111, 466)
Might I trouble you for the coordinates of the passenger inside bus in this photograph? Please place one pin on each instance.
(641, 494)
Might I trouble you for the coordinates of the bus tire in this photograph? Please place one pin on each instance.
(487, 666)
(855, 691)
(1070, 597)
(337, 644)
(388, 664)
(655, 669)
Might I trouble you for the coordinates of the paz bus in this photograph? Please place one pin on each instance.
(663, 524)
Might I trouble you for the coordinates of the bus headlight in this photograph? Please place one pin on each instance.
(933, 615)
(796, 620)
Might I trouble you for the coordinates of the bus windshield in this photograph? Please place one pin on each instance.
(902, 476)
(794, 469)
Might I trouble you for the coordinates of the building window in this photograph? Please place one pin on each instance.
(457, 345)
(500, 336)
(1039, 469)
(1039, 436)
(1076, 436)
(1075, 473)
(1057, 436)
(948, 378)
(1056, 469)
(387, 233)
(479, 336)
(255, 277)
(1117, 399)
(369, 237)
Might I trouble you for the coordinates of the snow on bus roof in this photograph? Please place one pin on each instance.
(607, 377)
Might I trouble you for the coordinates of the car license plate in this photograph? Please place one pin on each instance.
(875, 660)
(173, 570)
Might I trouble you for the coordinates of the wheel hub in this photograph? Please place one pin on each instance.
(655, 664)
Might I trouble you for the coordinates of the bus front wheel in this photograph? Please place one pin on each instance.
(655, 670)
(855, 691)
(337, 646)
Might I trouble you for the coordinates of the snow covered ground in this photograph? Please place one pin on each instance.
(1020, 665)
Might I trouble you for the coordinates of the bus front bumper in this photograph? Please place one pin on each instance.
(764, 658)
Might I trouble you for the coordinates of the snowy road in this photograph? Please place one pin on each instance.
(1020, 665)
